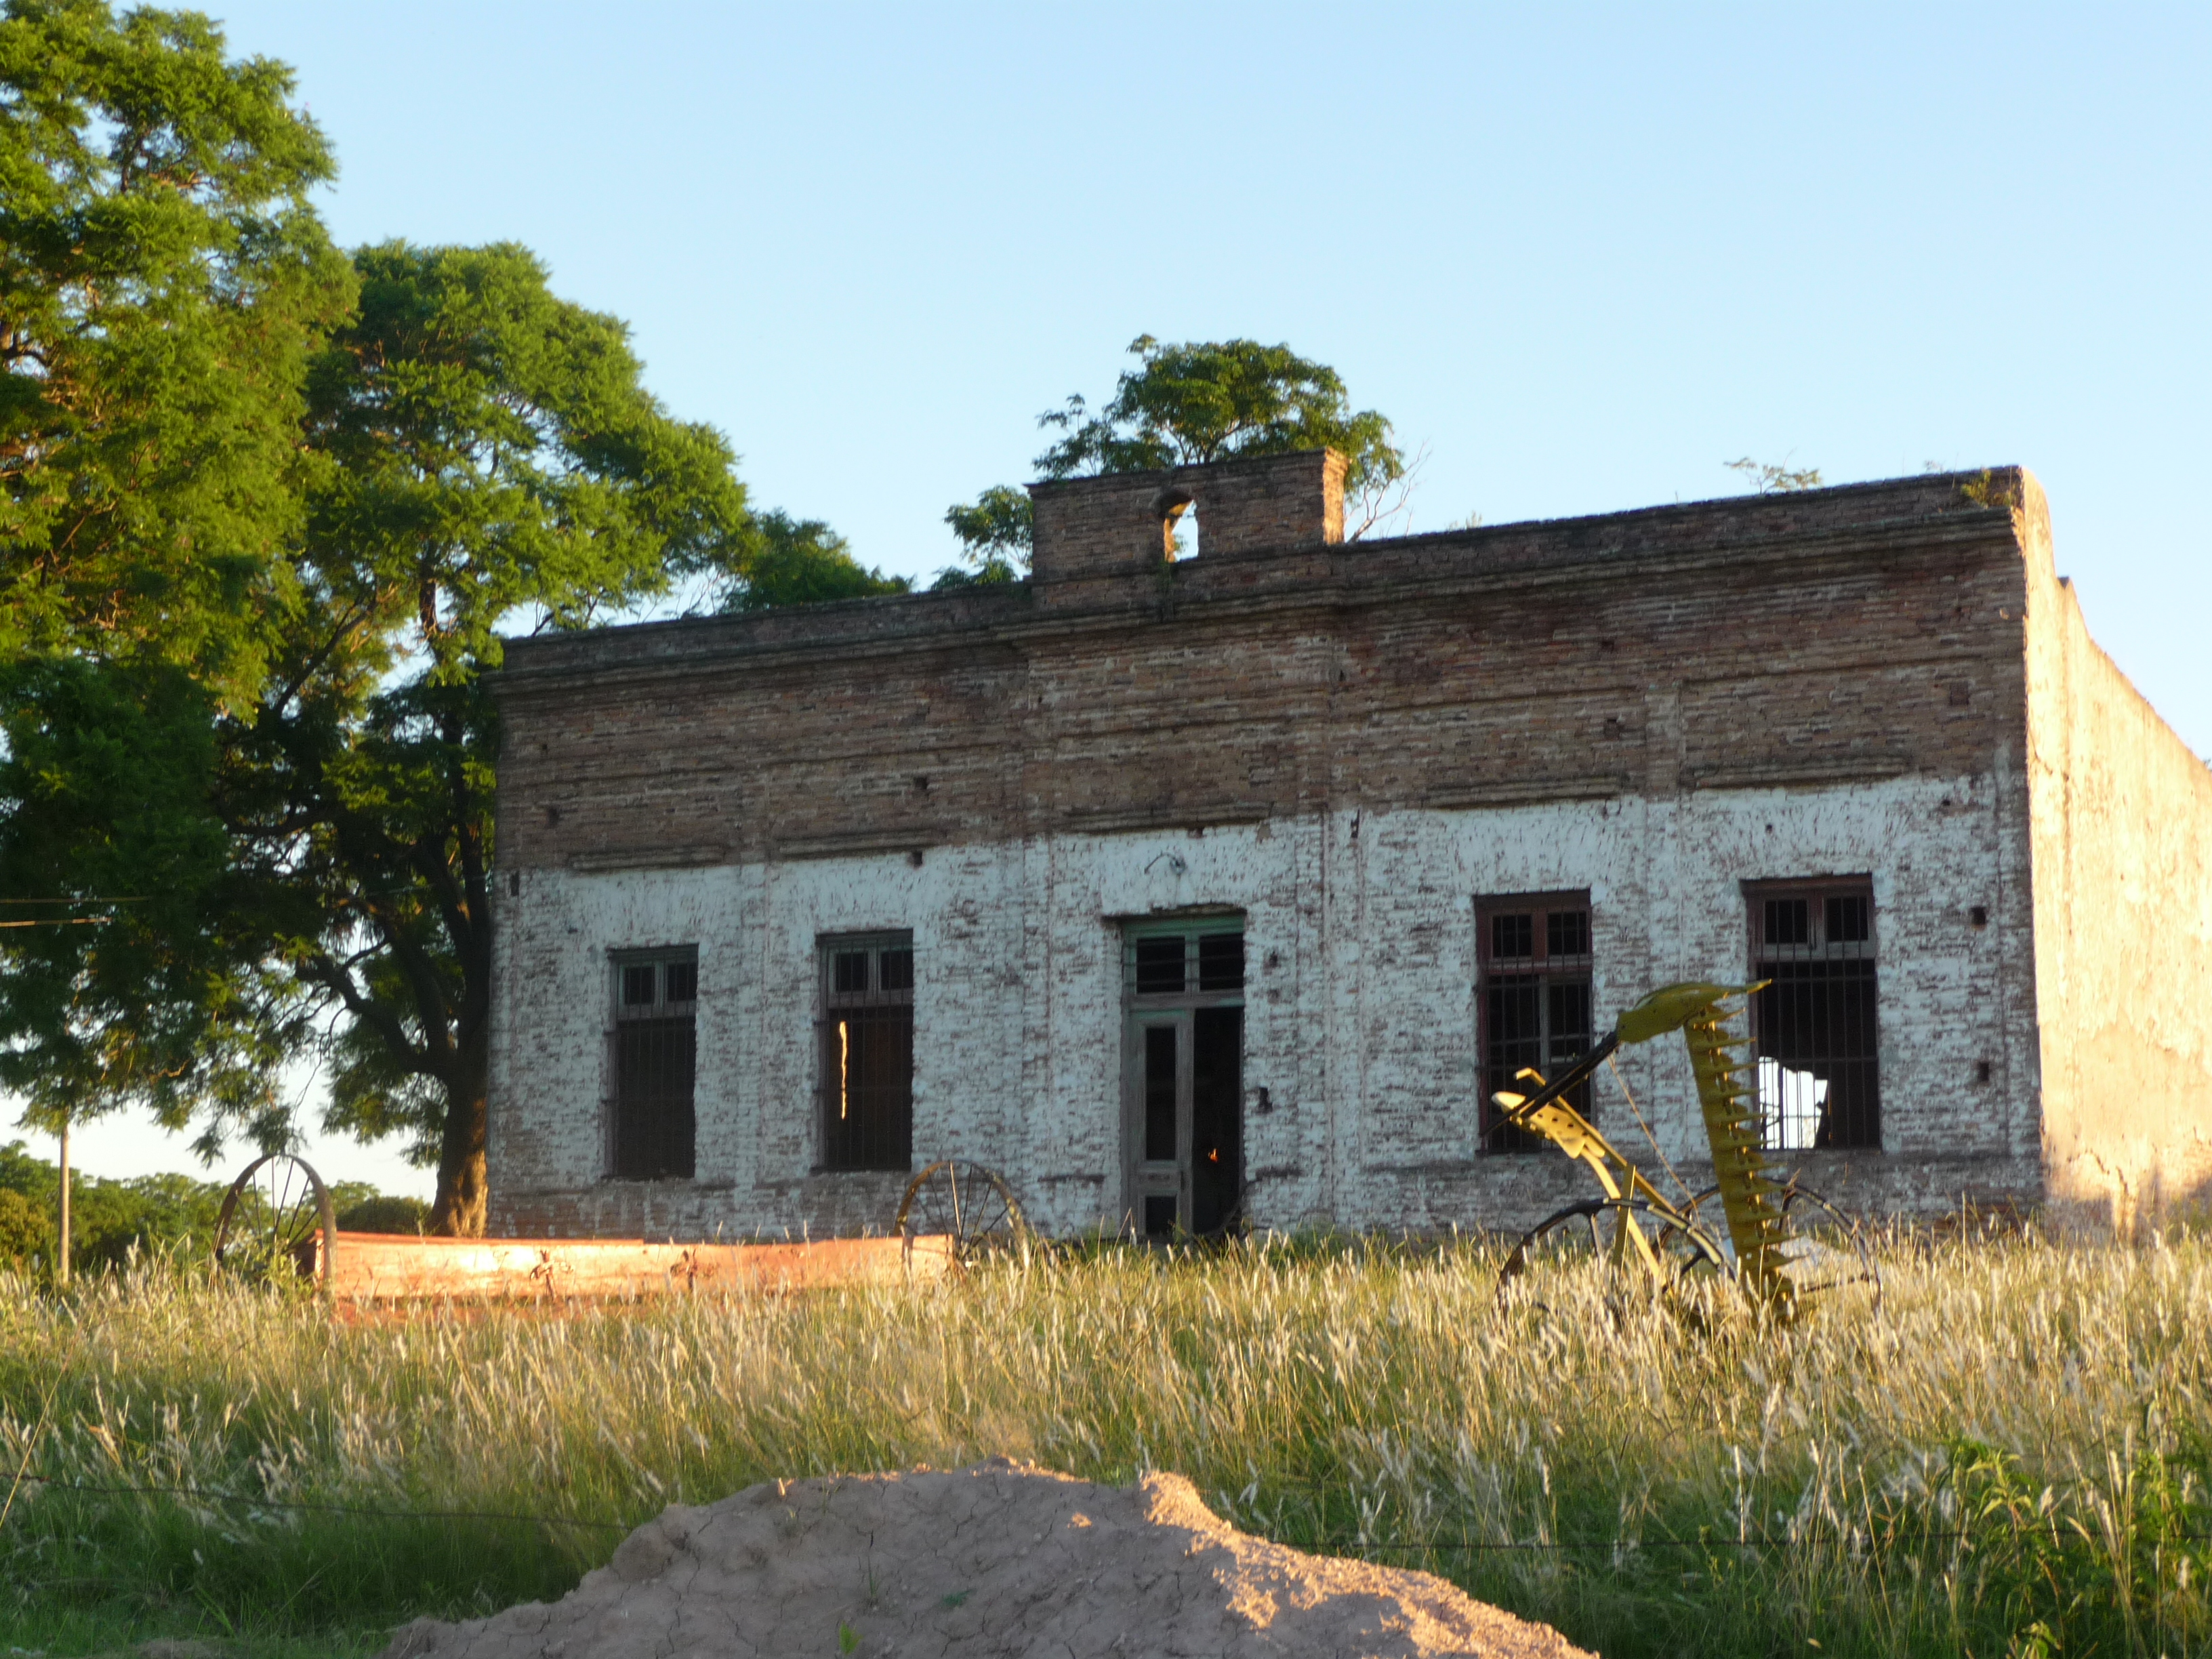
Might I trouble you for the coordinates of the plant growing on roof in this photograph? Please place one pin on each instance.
(1187, 405)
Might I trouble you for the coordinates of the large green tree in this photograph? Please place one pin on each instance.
(265, 514)
(488, 460)
(496, 463)
(1186, 405)
(163, 284)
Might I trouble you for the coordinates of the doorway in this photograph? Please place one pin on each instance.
(1184, 1068)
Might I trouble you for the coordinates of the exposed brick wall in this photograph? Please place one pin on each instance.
(1656, 705)
(1123, 522)
(1776, 646)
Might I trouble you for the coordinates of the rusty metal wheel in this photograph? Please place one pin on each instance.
(967, 1204)
(1596, 1230)
(278, 1225)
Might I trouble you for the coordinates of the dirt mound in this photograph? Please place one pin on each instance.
(1001, 1558)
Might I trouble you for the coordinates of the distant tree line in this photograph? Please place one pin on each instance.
(112, 1222)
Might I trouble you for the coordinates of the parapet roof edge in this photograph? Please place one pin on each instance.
(993, 601)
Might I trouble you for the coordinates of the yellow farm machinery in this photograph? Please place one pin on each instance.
(1781, 1243)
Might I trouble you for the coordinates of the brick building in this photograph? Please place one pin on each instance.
(1183, 890)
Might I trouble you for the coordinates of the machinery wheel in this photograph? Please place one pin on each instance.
(1596, 1230)
(966, 1203)
(278, 1225)
(1824, 1250)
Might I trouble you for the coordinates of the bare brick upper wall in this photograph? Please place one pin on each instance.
(1861, 516)
(1861, 632)
(1121, 524)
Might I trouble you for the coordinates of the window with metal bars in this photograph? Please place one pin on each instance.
(652, 1130)
(1820, 1083)
(867, 1052)
(1532, 966)
(1202, 958)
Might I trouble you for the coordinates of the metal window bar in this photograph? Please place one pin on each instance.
(866, 1067)
(1534, 963)
(1202, 959)
(1814, 1028)
(653, 1128)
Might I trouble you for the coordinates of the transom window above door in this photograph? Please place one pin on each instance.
(1199, 957)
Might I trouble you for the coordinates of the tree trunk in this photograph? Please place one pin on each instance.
(459, 1212)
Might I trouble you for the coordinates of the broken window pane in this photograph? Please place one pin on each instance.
(1217, 1116)
(1814, 1023)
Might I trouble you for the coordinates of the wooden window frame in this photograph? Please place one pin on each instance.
(657, 1037)
(856, 1021)
(1840, 1021)
(1553, 964)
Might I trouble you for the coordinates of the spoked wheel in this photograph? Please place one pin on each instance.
(1597, 1229)
(966, 1204)
(278, 1225)
(1824, 1252)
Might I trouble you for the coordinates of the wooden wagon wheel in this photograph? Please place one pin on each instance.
(1824, 1252)
(1596, 1230)
(971, 1205)
(277, 1224)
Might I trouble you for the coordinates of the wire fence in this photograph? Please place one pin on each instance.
(2050, 1530)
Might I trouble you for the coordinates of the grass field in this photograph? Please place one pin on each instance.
(2011, 1456)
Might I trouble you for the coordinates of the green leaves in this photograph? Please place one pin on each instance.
(997, 534)
(494, 453)
(1185, 405)
(144, 979)
(163, 282)
(803, 562)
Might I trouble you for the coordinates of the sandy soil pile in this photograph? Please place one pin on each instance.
(1001, 1558)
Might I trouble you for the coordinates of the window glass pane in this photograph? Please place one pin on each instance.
(1534, 1010)
(1160, 964)
(1512, 938)
(1787, 922)
(637, 984)
(680, 981)
(1847, 918)
(868, 1075)
(848, 971)
(898, 970)
(1568, 1036)
(653, 1131)
(1159, 1093)
(1221, 962)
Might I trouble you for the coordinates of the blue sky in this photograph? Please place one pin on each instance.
(1584, 255)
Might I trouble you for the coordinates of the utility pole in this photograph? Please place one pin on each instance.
(62, 1254)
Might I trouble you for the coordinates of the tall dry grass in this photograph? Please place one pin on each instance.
(2010, 1456)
